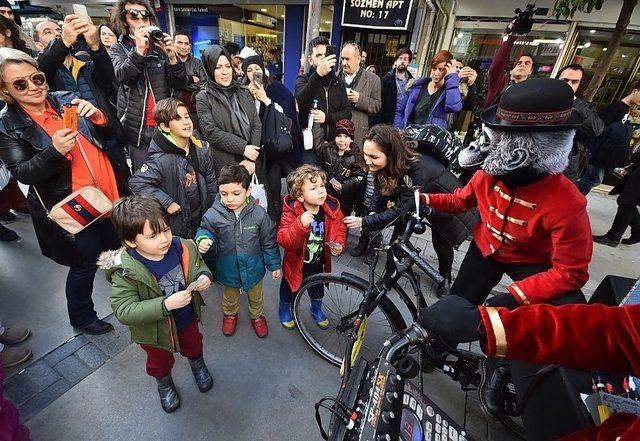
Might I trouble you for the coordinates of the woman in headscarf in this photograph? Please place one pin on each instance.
(228, 117)
(272, 91)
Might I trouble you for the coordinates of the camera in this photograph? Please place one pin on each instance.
(523, 21)
(155, 33)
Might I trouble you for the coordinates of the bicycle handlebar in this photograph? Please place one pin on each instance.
(410, 336)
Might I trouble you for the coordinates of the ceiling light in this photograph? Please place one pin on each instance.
(624, 55)
(327, 22)
(592, 31)
(604, 49)
(459, 34)
(587, 44)
(282, 16)
(264, 10)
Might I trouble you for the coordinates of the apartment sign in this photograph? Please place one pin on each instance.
(377, 14)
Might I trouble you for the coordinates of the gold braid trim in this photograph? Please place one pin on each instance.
(520, 293)
(522, 202)
(498, 332)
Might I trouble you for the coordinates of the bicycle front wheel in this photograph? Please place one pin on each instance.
(341, 298)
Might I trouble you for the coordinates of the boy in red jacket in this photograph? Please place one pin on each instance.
(311, 231)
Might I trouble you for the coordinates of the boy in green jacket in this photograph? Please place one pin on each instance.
(155, 281)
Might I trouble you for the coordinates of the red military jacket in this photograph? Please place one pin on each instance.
(588, 337)
(542, 223)
(292, 236)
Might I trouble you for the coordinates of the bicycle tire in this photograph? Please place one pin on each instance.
(329, 343)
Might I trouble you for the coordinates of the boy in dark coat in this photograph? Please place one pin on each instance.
(179, 172)
(340, 161)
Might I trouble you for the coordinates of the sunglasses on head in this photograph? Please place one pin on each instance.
(136, 14)
(38, 79)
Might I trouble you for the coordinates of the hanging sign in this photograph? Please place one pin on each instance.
(377, 14)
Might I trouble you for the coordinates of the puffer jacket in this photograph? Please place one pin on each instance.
(137, 300)
(292, 236)
(243, 245)
(134, 74)
(346, 169)
(163, 176)
(432, 177)
(449, 101)
(31, 158)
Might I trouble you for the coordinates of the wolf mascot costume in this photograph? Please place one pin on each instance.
(534, 227)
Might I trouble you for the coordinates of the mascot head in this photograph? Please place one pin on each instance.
(530, 130)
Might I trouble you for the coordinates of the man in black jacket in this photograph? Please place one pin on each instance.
(147, 71)
(592, 125)
(195, 73)
(321, 84)
(395, 85)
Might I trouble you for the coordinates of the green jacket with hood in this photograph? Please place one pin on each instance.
(137, 300)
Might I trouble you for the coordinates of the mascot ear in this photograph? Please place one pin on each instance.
(519, 158)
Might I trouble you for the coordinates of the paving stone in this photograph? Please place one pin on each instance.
(116, 344)
(38, 402)
(72, 369)
(91, 356)
(41, 375)
(19, 388)
(63, 351)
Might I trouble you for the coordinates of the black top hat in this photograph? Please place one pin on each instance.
(535, 105)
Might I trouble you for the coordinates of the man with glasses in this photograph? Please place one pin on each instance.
(147, 71)
(363, 90)
(394, 87)
(592, 126)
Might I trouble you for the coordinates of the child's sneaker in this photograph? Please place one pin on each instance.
(286, 319)
(318, 315)
(260, 326)
(229, 323)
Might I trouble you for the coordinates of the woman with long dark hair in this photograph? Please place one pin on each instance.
(10, 36)
(274, 92)
(397, 170)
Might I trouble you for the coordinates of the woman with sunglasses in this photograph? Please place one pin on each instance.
(147, 70)
(42, 154)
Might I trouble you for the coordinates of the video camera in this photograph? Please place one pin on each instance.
(523, 21)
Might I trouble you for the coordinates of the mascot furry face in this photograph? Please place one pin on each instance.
(531, 129)
(499, 152)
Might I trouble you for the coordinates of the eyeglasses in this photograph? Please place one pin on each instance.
(38, 79)
(138, 14)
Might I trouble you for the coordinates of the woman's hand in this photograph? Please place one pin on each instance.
(450, 68)
(251, 152)
(64, 140)
(258, 93)
(470, 74)
(354, 222)
(249, 165)
(173, 208)
(85, 108)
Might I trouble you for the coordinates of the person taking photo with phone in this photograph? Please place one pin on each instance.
(147, 70)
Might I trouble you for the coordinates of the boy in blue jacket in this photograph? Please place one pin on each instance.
(244, 240)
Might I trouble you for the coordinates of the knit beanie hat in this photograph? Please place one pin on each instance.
(254, 59)
(345, 127)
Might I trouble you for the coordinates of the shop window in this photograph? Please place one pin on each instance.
(592, 44)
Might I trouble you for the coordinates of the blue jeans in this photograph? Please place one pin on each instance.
(593, 175)
(286, 295)
(98, 237)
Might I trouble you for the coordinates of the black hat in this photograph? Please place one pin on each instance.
(535, 105)
(255, 59)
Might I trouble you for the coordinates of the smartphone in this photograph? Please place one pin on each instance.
(333, 181)
(70, 117)
(331, 50)
(257, 78)
(80, 10)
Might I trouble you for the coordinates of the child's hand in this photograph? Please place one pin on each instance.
(177, 300)
(276, 274)
(204, 282)
(335, 248)
(173, 208)
(205, 245)
(336, 186)
(306, 218)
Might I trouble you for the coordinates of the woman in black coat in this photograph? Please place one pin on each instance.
(41, 154)
(275, 92)
(228, 117)
(397, 170)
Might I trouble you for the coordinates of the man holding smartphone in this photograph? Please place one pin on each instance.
(322, 85)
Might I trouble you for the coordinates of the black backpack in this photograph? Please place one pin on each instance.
(435, 142)
(276, 132)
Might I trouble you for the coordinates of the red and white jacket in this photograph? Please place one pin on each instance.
(542, 223)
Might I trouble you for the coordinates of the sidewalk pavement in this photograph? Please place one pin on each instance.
(96, 387)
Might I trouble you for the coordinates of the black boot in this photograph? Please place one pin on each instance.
(168, 394)
(634, 238)
(606, 240)
(7, 235)
(443, 289)
(361, 248)
(201, 374)
(494, 375)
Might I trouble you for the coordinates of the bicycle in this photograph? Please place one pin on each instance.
(362, 317)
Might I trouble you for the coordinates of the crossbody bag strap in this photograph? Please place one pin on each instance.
(40, 199)
(86, 160)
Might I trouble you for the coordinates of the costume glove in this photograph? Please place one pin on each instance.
(454, 319)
